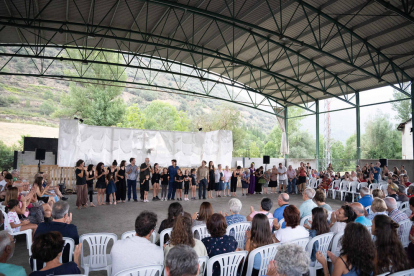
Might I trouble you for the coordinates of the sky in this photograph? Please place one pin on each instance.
(343, 123)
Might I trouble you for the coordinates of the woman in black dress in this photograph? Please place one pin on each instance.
(90, 176)
(100, 175)
(120, 182)
(233, 184)
(258, 186)
(156, 176)
(112, 169)
(211, 179)
(179, 179)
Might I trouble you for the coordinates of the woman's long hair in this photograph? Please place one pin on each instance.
(11, 193)
(174, 210)
(205, 212)
(39, 182)
(390, 252)
(90, 167)
(182, 233)
(359, 249)
(260, 232)
(320, 220)
(99, 168)
(211, 165)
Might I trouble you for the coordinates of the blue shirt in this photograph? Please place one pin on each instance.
(236, 218)
(366, 200)
(278, 213)
(173, 172)
(133, 175)
(64, 269)
(378, 173)
(306, 208)
(12, 270)
(364, 221)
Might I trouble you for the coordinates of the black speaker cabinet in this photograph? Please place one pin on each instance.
(40, 154)
(266, 159)
(384, 162)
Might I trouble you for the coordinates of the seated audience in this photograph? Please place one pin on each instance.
(218, 243)
(391, 256)
(319, 226)
(183, 235)
(410, 249)
(308, 204)
(48, 248)
(13, 218)
(326, 182)
(405, 181)
(8, 183)
(290, 260)
(401, 194)
(174, 210)
(205, 212)
(265, 206)
(357, 253)
(259, 235)
(320, 200)
(182, 260)
(395, 179)
(395, 214)
(293, 230)
(283, 202)
(7, 247)
(235, 206)
(341, 217)
(392, 190)
(371, 179)
(366, 199)
(137, 250)
(378, 193)
(410, 191)
(378, 207)
(360, 213)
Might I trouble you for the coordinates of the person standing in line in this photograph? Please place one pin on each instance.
(291, 176)
(377, 172)
(121, 182)
(155, 182)
(202, 179)
(211, 179)
(113, 170)
(217, 178)
(144, 187)
(252, 178)
(221, 180)
(165, 177)
(179, 179)
(245, 181)
(111, 188)
(131, 171)
(81, 187)
(90, 176)
(273, 180)
(281, 170)
(302, 177)
(100, 175)
(172, 171)
(193, 184)
(145, 169)
(227, 176)
(233, 185)
(187, 180)
(258, 178)
(266, 176)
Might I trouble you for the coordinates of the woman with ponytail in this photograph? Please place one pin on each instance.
(391, 256)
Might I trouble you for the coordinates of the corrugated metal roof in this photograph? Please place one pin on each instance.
(305, 44)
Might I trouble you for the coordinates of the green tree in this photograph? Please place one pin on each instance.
(381, 139)
(133, 118)
(47, 95)
(254, 150)
(6, 156)
(47, 107)
(97, 103)
(163, 116)
(271, 149)
(403, 108)
(351, 147)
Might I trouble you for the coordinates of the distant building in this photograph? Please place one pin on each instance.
(407, 139)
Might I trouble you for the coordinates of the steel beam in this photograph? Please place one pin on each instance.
(389, 6)
(317, 135)
(358, 127)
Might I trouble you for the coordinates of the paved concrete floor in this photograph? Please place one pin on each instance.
(121, 217)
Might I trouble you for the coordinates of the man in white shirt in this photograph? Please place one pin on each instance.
(281, 170)
(138, 250)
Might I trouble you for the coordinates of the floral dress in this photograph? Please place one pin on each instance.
(217, 246)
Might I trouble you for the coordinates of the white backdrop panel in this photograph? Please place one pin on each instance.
(96, 144)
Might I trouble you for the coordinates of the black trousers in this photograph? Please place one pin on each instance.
(121, 190)
(233, 185)
(90, 193)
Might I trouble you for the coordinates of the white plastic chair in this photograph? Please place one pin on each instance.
(335, 248)
(129, 234)
(312, 183)
(409, 272)
(368, 209)
(239, 230)
(98, 258)
(281, 222)
(162, 235)
(344, 188)
(301, 242)
(353, 189)
(407, 211)
(403, 205)
(149, 270)
(305, 219)
(67, 241)
(229, 263)
(336, 185)
(374, 186)
(363, 184)
(267, 253)
(201, 230)
(27, 232)
(202, 264)
(406, 226)
(324, 241)
(384, 188)
(318, 182)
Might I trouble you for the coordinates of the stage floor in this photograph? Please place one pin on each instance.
(121, 217)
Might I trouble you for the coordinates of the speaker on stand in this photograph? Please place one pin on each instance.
(40, 154)
(266, 161)
(384, 162)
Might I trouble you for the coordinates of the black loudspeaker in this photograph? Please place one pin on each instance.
(40, 154)
(266, 159)
(384, 162)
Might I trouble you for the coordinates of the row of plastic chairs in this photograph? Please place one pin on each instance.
(409, 272)
(27, 232)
